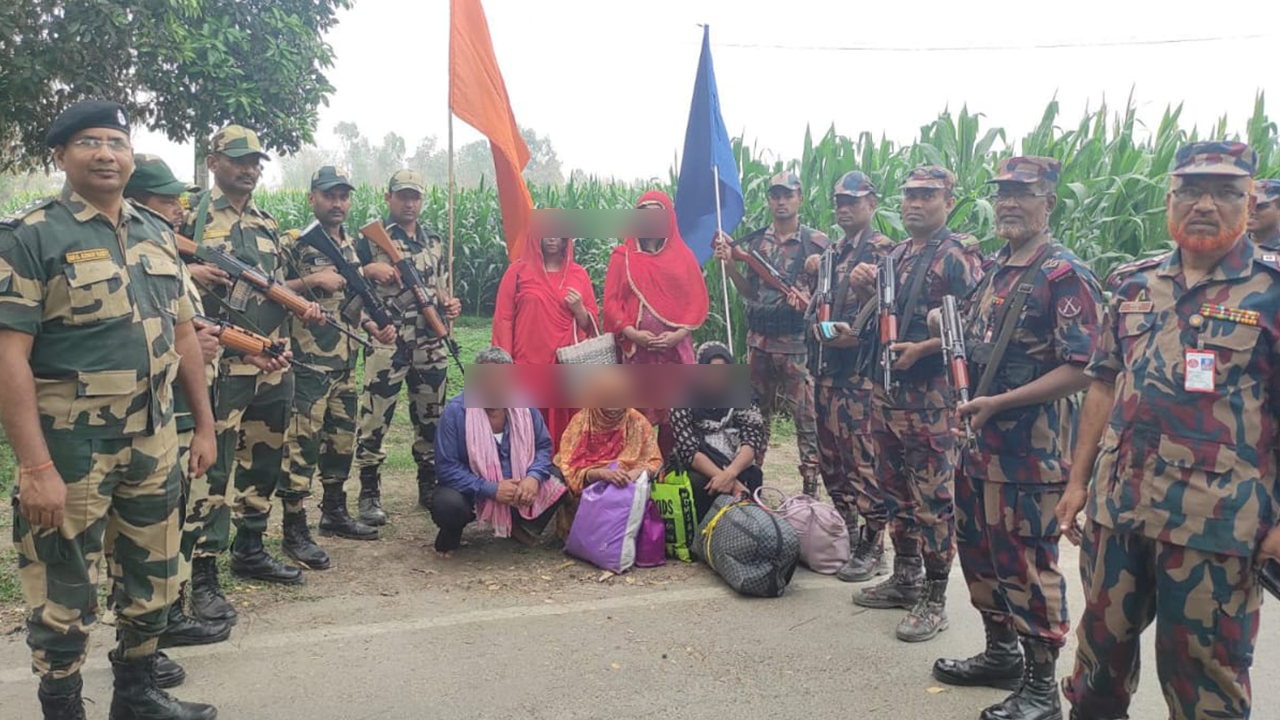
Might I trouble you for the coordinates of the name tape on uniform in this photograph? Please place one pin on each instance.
(79, 256)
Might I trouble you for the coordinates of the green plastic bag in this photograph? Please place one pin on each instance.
(674, 498)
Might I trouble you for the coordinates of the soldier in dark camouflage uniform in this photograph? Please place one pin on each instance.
(1264, 221)
(915, 452)
(253, 396)
(1012, 474)
(154, 186)
(776, 328)
(419, 358)
(94, 329)
(1181, 420)
(842, 385)
(322, 430)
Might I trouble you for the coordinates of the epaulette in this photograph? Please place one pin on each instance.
(291, 235)
(1268, 260)
(970, 243)
(14, 220)
(155, 215)
(1118, 275)
(1056, 268)
(881, 241)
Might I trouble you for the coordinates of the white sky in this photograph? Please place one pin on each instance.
(610, 81)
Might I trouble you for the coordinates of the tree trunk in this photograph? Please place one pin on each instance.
(200, 173)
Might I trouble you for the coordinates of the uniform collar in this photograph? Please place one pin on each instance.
(218, 201)
(1028, 254)
(773, 235)
(1236, 264)
(84, 211)
(419, 237)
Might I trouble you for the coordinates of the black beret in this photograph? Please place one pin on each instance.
(87, 114)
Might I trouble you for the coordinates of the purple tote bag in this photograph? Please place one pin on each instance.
(608, 520)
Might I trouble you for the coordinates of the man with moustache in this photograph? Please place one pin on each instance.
(94, 328)
(776, 330)
(915, 452)
(420, 360)
(1176, 457)
(253, 395)
(842, 390)
(1264, 221)
(1029, 332)
(321, 433)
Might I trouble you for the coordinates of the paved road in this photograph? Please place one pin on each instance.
(688, 650)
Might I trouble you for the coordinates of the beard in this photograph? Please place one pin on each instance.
(1017, 231)
(1199, 243)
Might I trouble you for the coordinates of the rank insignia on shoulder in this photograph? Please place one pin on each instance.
(1069, 307)
(1230, 314)
(80, 256)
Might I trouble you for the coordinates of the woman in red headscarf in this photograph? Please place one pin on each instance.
(654, 293)
(654, 298)
(545, 302)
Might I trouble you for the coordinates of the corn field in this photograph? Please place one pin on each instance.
(1110, 210)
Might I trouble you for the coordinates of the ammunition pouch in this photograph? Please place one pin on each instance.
(825, 361)
(774, 320)
(1016, 370)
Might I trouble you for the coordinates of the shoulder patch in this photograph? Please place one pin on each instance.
(13, 220)
(1122, 272)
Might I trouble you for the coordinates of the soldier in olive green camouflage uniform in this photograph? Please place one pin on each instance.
(776, 329)
(420, 357)
(842, 384)
(154, 186)
(94, 329)
(252, 401)
(1181, 417)
(322, 430)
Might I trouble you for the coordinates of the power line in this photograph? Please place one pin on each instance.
(990, 48)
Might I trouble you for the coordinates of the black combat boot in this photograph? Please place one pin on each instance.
(336, 520)
(186, 630)
(903, 589)
(1037, 699)
(60, 699)
(207, 601)
(250, 560)
(137, 697)
(426, 485)
(998, 666)
(299, 545)
(929, 616)
(167, 673)
(867, 560)
(809, 480)
(371, 512)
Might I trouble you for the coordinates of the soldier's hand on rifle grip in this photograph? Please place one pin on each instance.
(862, 278)
(382, 273)
(1270, 548)
(979, 411)
(42, 495)
(812, 264)
(909, 353)
(207, 336)
(328, 280)
(1072, 502)
(798, 300)
(314, 314)
(269, 364)
(385, 336)
(722, 249)
(452, 308)
(209, 275)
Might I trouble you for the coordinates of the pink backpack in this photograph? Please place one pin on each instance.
(824, 537)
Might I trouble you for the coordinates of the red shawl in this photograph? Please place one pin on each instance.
(668, 282)
(531, 319)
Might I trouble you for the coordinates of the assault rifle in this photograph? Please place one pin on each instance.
(412, 280)
(241, 271)
(317, 237)
(956, 358)
(823, 296)
(237, 338)
(887, 289)
(767, 272)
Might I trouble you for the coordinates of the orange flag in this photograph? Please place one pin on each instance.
(478, 97)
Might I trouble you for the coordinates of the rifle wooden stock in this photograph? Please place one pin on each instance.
(768, 273)
(241, 340)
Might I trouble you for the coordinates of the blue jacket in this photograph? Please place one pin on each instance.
(453, 467)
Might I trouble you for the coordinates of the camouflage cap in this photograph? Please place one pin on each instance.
(854, 183)
(87, 114)
(407, 180)
(930, 176)
(786, 179)
(237, 141)
(1215, 158)
(1266, 190)
(152, 175)
(330, 177)
(1027, 169)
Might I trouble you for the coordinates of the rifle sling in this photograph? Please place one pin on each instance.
(1008, 318)
(238, 317)
(915, 283)
(201, 210)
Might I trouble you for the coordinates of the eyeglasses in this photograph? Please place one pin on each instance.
(92, 143)
(1223, 195)
(1019, 196)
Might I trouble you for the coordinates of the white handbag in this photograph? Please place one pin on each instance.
(598, 350)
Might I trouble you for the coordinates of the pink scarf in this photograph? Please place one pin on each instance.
(482, 453)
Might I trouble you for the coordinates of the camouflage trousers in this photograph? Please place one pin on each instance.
(189, 532)
(845, 455)
(250, 416)
(384, 372)
(1206, 608)
(915, 460)
(322, 432)
(122, 502)
(787, 375)
(1007, 538)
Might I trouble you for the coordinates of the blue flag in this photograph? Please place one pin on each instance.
(706, 146)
